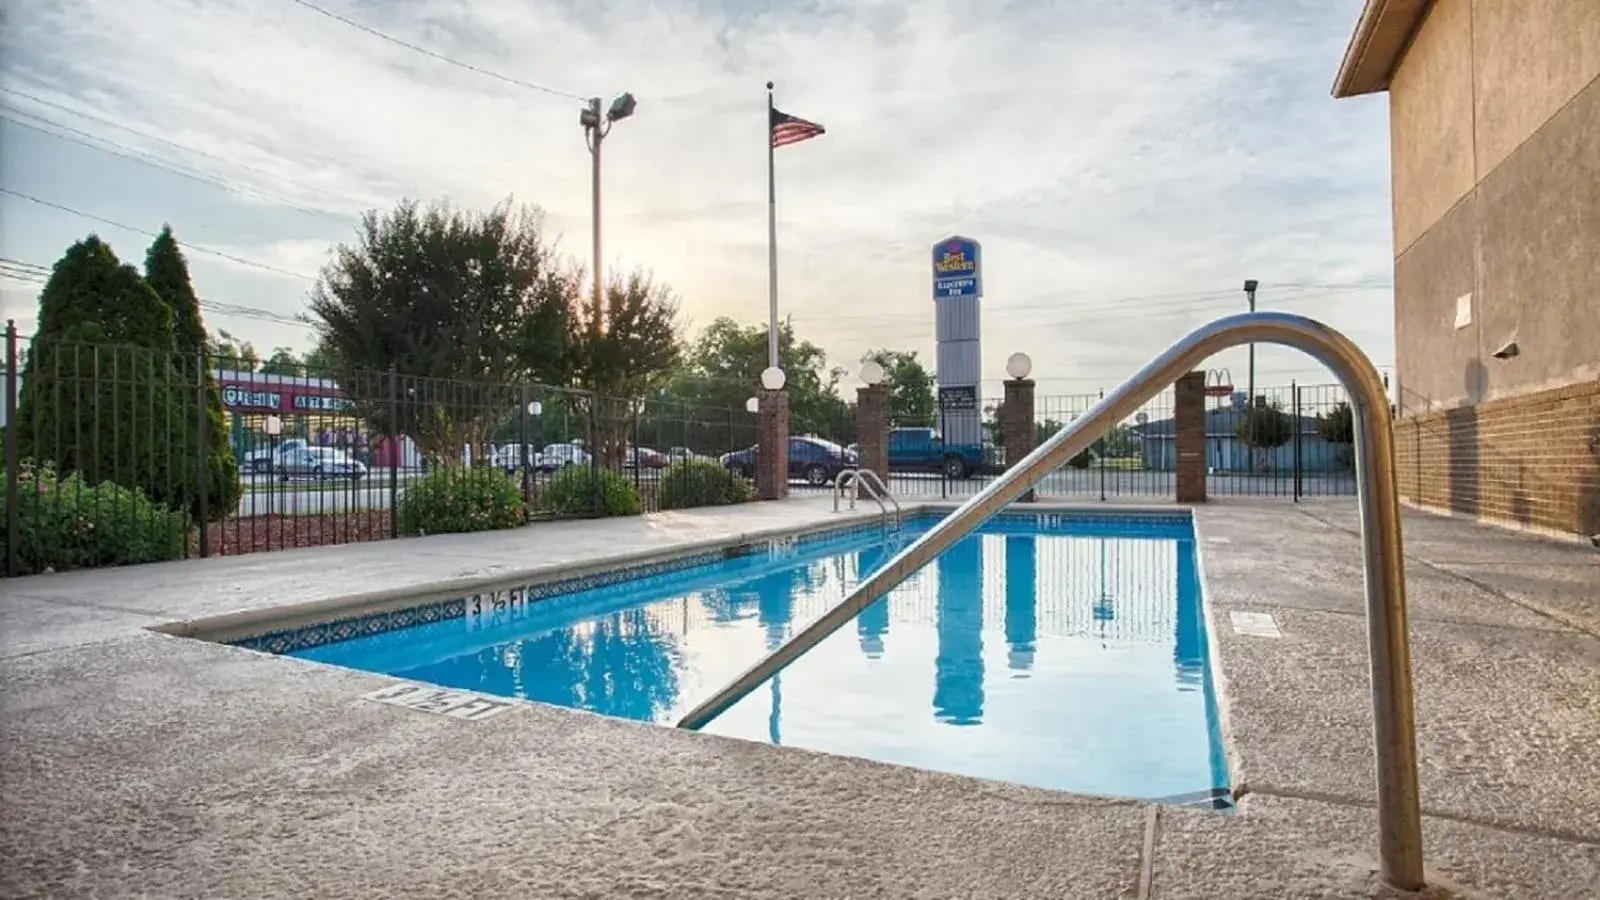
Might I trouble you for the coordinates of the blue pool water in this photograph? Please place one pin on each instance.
(1060, 652)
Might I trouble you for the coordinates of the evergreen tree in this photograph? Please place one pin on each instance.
(167, 272)
(96, 381)
(103, 392)
(89, 287)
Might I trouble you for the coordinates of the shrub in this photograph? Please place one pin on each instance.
(1337, 425)
(71, 523)
(105, 392)
(700, 482)
(454, 500)
(1082, 460)
(1263, 427)
(571, 492)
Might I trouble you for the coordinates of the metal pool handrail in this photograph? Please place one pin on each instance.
(1399, 812)
(879, 494)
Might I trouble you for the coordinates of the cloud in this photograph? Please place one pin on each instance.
(1099, 149)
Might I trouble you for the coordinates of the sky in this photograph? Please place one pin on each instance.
(1124, 165)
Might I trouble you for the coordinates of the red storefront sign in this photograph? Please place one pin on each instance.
(246, 392)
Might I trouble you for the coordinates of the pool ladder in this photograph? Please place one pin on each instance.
(1389, 648)
(868, 480)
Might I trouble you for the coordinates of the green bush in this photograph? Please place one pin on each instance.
(571, 492)
(1337, 425)
(700, 482)
(106, 392)
(455, 500)
(1081, 461)
(74, 524)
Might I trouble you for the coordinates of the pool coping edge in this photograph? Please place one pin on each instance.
(226, 628)
(230, 628)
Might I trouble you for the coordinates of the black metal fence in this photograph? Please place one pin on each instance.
(117, 454)
(1297, 444)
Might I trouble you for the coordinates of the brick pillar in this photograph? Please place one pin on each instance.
(1189, 431)
(1016, 425)
(872, 429)
(772, 453)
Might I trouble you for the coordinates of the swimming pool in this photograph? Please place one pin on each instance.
(1064, 651)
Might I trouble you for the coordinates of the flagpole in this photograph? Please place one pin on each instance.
(772, 242)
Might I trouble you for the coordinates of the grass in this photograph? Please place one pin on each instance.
(1127, 463)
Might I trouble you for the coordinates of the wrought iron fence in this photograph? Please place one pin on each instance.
(1298, 445)
(1294, 442)
(117, 454)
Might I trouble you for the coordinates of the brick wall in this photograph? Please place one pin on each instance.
(772, 452)
(1016, 424)
(1189, 424)
(1532, 460)
(872, 429)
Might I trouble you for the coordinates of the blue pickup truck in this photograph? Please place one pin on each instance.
(925, 450)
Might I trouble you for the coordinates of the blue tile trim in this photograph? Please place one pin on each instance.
(291, 640)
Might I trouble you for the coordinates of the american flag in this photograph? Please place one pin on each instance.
(787, 129)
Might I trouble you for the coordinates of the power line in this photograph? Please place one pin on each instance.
(139, 156)
(184, 147)
(1192, 301)
(195, 247)
(1081, 315)
(23, 264)
(439, 56)
(22, 270)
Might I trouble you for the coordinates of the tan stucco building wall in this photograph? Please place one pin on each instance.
(1495, 161)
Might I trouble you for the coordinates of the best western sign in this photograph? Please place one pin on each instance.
(957, 268)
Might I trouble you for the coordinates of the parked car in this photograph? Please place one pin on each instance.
(509, 458)
(925, 450)
(261, 461)
(644, 457)
(559, 456)
(317, 462)
(682, 454)
(818, 461)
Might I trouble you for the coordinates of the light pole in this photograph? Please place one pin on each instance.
(1249, 294)
(595, 129)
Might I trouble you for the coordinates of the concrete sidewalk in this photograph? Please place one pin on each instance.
(138, 764)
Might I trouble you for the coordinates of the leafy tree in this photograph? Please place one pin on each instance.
(619, 358)
(723, 370)
(229, 352)
(1119, 441)
(167, 272)
(1264, 428)
(910, 387)
(1337, 425)
(462, 306)
(101, 394)
(1043, 430)
(283, 361)
(318, 360)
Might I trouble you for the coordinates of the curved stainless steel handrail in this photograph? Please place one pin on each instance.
(838, 488)
(879, 491)
(878, 494)
(1399, 812)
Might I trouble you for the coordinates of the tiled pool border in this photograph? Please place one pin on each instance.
(361, 617)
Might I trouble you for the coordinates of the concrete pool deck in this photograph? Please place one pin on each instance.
(134, 763)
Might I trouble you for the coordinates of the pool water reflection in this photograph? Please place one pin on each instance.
(1071, 658)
